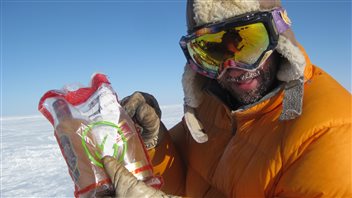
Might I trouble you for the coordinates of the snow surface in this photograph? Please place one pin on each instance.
(31, 162)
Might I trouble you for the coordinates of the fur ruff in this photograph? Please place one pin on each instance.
(293, 68)
(192, 87)
(218, 10)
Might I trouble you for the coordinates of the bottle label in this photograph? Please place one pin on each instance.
(71, 157)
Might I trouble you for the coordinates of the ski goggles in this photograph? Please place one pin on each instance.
(243, 42)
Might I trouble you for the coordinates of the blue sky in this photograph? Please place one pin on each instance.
(47, 44)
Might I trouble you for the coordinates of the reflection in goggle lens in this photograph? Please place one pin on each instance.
(243, 45)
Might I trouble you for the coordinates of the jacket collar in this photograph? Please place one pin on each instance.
(264, 105)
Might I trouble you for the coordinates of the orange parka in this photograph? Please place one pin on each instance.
(251, 153)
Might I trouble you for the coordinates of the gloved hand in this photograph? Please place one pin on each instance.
(125, 184)
(145, 110)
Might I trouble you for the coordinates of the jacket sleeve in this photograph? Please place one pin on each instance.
(168, 163)
(323, 169)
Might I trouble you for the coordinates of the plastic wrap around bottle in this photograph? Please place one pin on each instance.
(89, 124)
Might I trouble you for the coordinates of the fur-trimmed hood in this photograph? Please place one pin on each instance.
(290, 72)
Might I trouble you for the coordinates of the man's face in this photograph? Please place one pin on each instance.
(249, 87)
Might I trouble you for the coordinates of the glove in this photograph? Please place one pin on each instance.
(145, 111)
(125, 184)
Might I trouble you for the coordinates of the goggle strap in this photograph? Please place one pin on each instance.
(281, 20)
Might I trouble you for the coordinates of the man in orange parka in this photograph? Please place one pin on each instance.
(263, 122)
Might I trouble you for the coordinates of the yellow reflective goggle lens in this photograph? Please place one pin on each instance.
(243, 44)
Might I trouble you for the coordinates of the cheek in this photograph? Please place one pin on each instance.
(269, 70)
(269, 66)
(273, 63)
